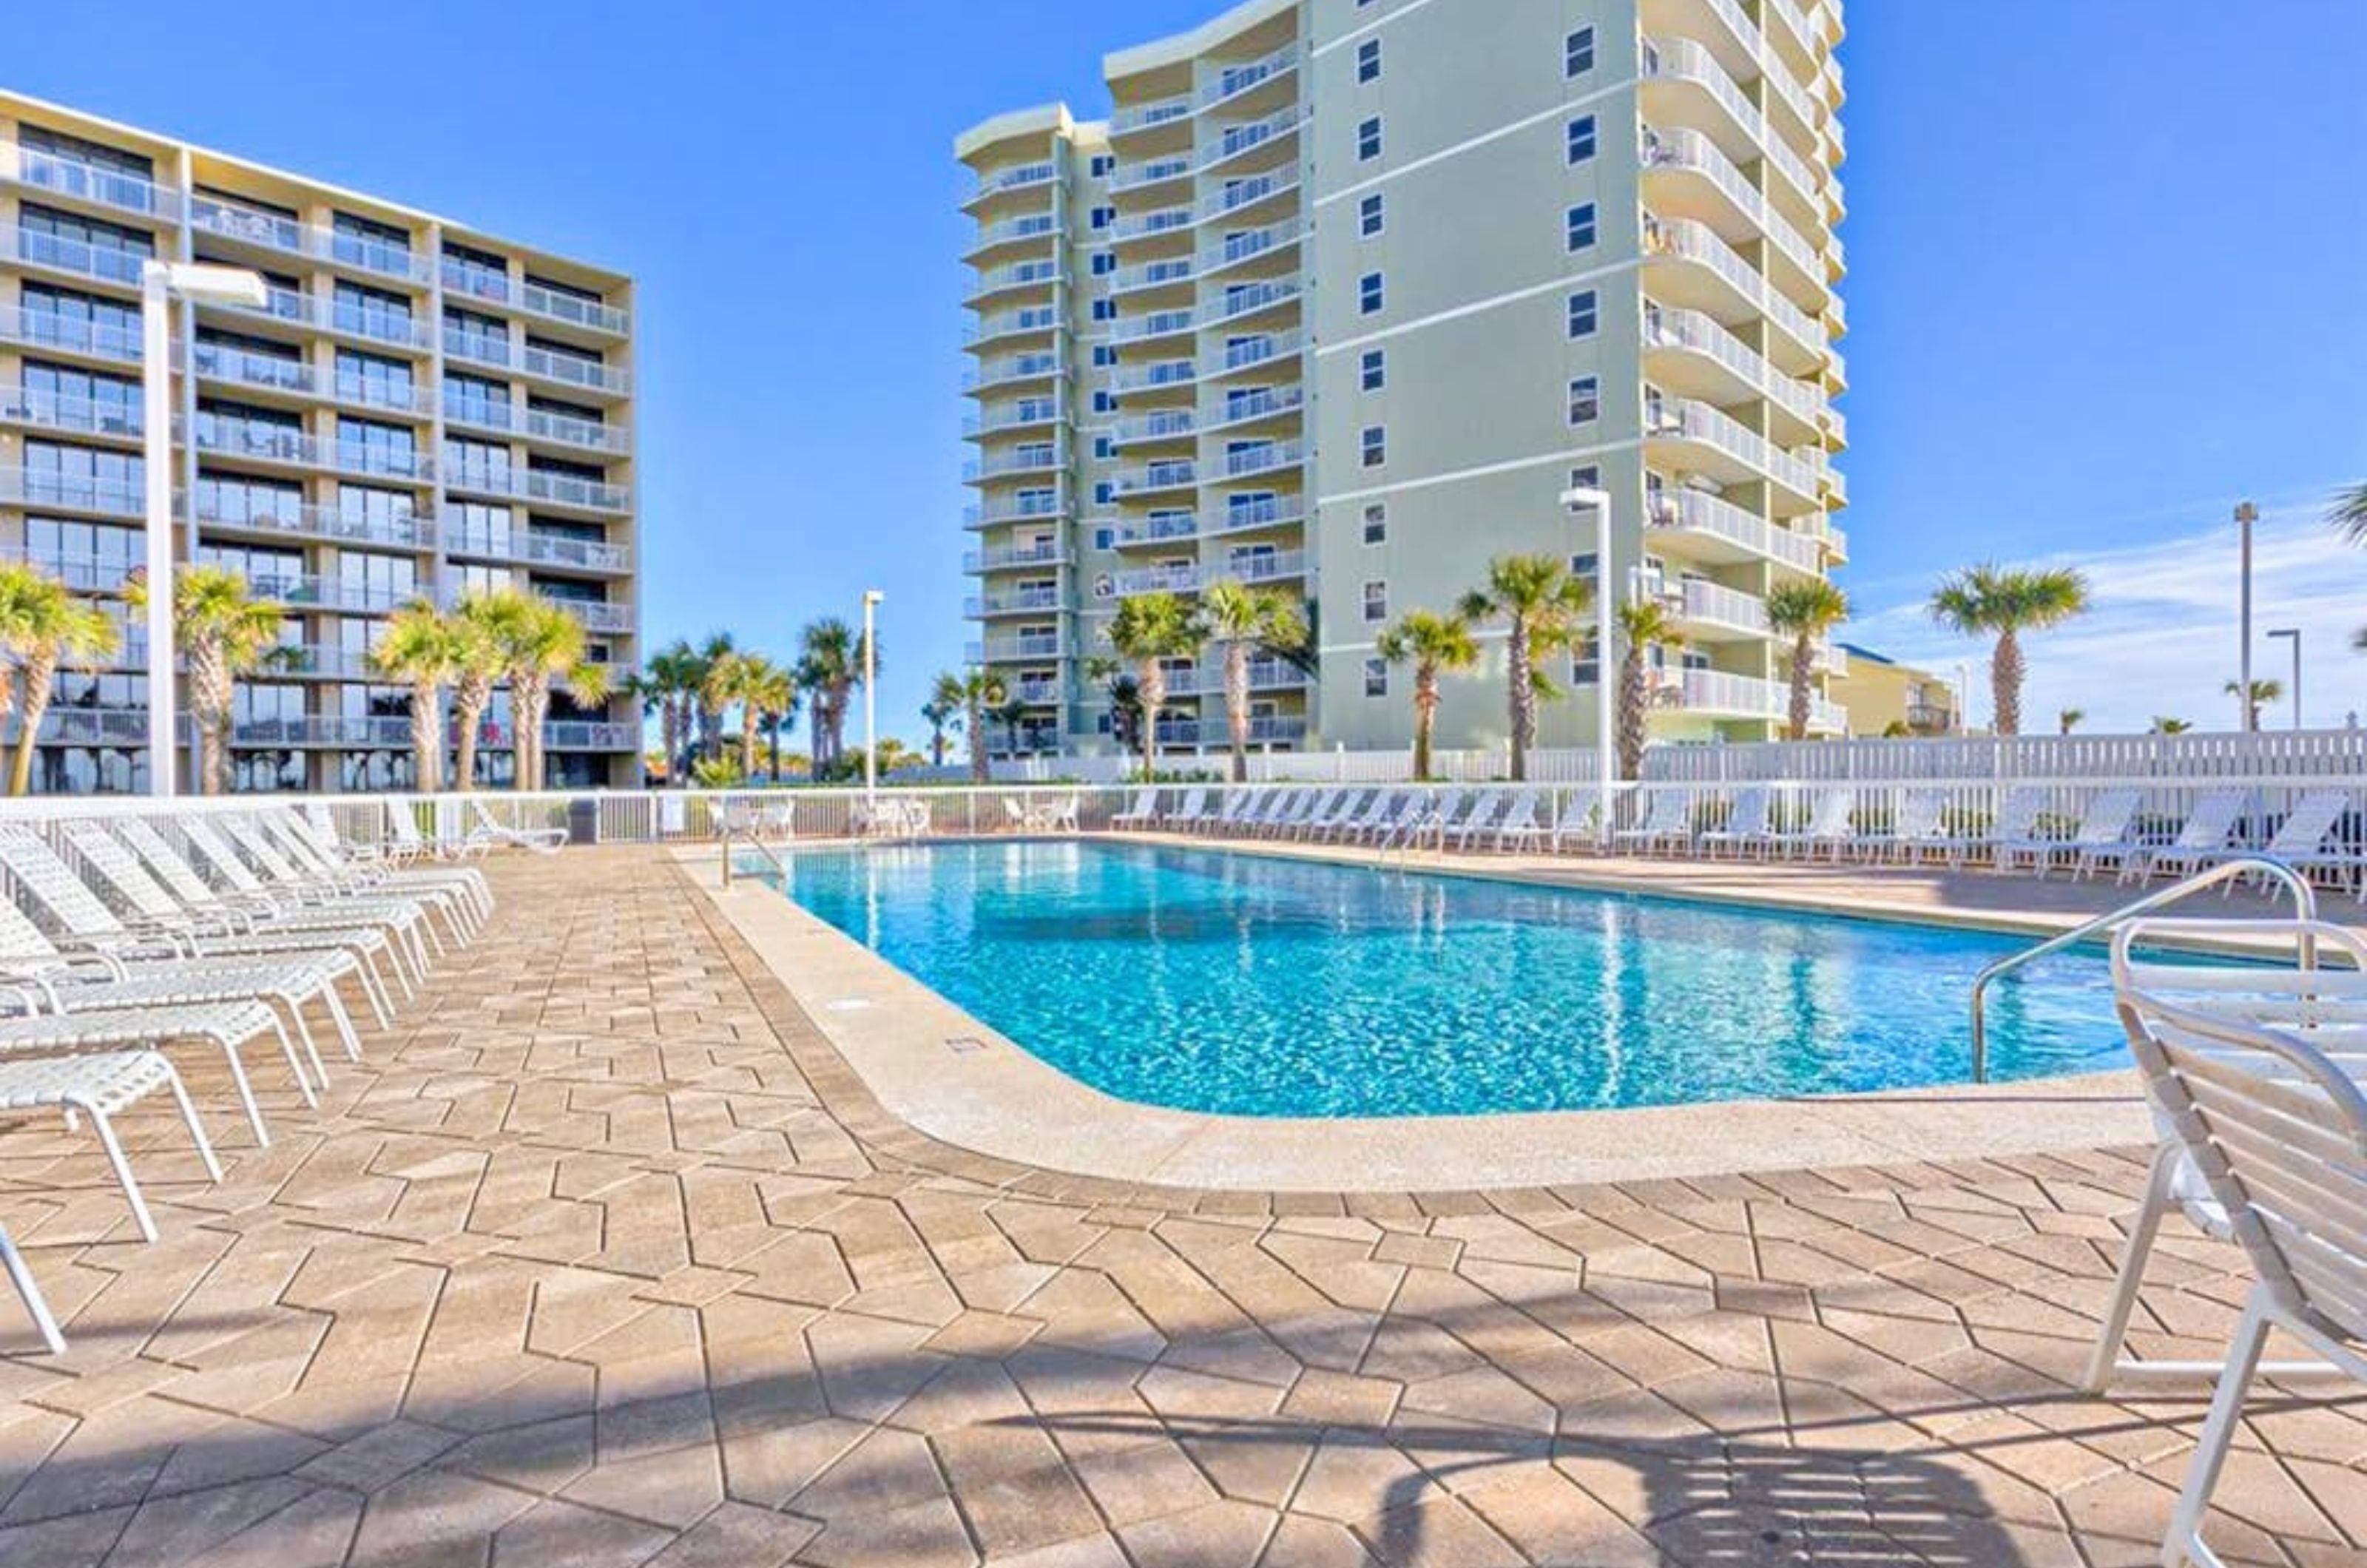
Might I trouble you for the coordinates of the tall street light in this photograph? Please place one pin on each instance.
(871, 598)
(1582, 498)
(2294, 633)
(2246, 515)
(160, 283)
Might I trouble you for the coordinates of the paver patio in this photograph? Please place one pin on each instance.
(604, 1258)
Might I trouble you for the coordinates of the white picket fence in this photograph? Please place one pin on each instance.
(2307, 753)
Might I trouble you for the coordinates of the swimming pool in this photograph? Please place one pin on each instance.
(1259, 986)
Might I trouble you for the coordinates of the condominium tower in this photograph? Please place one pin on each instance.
(1344, 295)
(420, 407)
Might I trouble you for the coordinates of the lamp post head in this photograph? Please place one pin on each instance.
(216, 285)
(2246, 514)
(1584, 498)
(873, 598)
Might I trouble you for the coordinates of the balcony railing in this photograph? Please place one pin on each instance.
(1165, 424)
(1159, 171)
(1258, 350)
(1015, 368)
(590, 735)
(256, 515)
(1018, 602)
(1158, 530)
(1010, 649)
(1264, 728)
(1208, 681)
(1142, 117)
(77, 492)
(1681, 147)
(1234, 80)
(72, 177)
(1748, 696)
(1190, 577)
(1159, 323)
(1700, 601)
(1666, 327)
(1247, 193)
(34, 248)
(1039, 273)
(539, 548)
(220, 362)
(1140, 225)
(1671, 418)
(995, 422)
(1180, 474)
(570, 310)
(479, 348)
(230, 436)
(253, 226)
(59, 411)
(1236, 141)
(1024, 507)
(1263, 404)
(1027, 226)
(47, 328)
(1010, 558)
(1249, 245)
(1004, 465)
(600, 615)
(1263, 458)
(531, 484)
(1025, 321)
(1278, 511)
(999, 182)
(1692, 512)
(567, 430)
(572, 370)
(373, 461)
(1166, 272)
(1147, 378)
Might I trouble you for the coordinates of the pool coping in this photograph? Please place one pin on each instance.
(947, 1074)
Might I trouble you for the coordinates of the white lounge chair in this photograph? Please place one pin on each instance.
(1354, 825)
(1576, 822)
(2103, 825)
(1745, 828)
(2200, 839)
(484, 829)
(1913, 830)
(2301, 838)
(1143, 813)
(2104, 833)
(1519, 822)
(1335, 806)
(1280, 809)
(1240, 807)
(286, 906)
(1191, 812)
(1486, 811)
(2014, 826)
(2277, 1131)
(1829, 825)
(20, 1275)
(1668, 821)
(317, 826)
(289, 880)
(1382, 825)
(98, 1086)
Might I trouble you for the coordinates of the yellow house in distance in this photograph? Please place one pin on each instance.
(1883, 696)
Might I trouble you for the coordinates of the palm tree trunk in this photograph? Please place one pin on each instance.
(1631, 710)
(466, 715)
(1521, 684)
(1237, 706)
(1802, 657)
(747, 745)
(426, 744)
(1153, 685)
(40, 676)
(1425, 718)
(209, 704)
(2005, 682)
(978, 770)
(772, 722)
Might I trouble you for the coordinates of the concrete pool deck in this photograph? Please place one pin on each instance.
(603, 1257)
(941, 1070)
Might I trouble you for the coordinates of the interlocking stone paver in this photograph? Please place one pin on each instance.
(603, 1256)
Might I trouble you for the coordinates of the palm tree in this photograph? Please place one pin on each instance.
(2349, 513)
(981, 689)
(2164, 725)
(1435, 646)
(20, 591)
(1541, 603)
(543, 646)
(46, 626)
(943, 708)
(421, 649)
(1011, 714)
(1241, 620)
(667, 681)
(830, 666)
(1803, 611)
(2004, 603)
(1148, 630)
(223, 632)
(479, 629)
(1643, 624)
(753, 684)
(775, 697)
(2069, 719)
(2264, 693)
(705, 661)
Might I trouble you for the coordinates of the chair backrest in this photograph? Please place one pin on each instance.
(51, 884)
(2213, 818)
(2279, 1133)
(21, 941)
(1749, 818)
(1671, 811)
(214, 855)
(1522, 811)
(1194, 801)
(114, 866)
(404, 825)
(1830, 819)
(1918, 816)
(2107, 818)
(257, 846)
(2017, 815)
(164, 862)
(1146, 802)
(2307, 823)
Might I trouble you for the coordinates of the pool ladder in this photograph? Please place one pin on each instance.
(1402, 840)
(747, 836)
(2228, 870)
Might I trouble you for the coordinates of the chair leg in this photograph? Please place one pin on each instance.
(2185, 1542)
(189, 1119)
(2104, 1358)
(346, 1035)
(246, 1096)
(21, 1276)
(104, 1127)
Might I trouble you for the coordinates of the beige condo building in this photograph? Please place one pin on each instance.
(1342, 295)
(419, 408)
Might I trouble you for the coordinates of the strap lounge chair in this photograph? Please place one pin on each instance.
(1829, 827)
(1143, 813)
(1191, 814)
(1379, 826)
(1745, 829)
(1668, 821)
(1913, 830)
(1240, 806)
(1336, 806)
(1575, 823)
(2014, 827)
(285, 906)
(2300, 840)
(2103, 837)
(484, 829)
(1484, 815)
(98, 1087)
(2200, 839)
(1356, 823)
(1519, 824)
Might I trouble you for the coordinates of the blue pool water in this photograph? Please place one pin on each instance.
(1262, 987)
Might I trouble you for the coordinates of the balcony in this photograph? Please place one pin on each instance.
(1274, 133)
(1242, 195)
(600, 615)
(370, 460)
(1032, 320)
(1720, 531)
(1688, 175)
(50, 254)
(1270, 403)
(65, 335)
(1261, 459)
(568, 369)
(1158, 531)
(45, 410)
(1015, 648)
(1029, 229)
(1172, 272)
(1250, 299)
(1280, 511)
(322, 729)
(293, 518)
(1265, 675)
(1027, 506)
(1180, 474)
(70, 493)
(1027, 275)
(1710, 611)
(262, 441)
(590, 735)
(1035, 694)
(1720, 447)
(1234, 82)
(534, 485)
(572, 311)
(1253, 567)
(1151, 225)
(1253, 352)
(493, 349)
(1018, 368)
(998, 422)
(1237, 249)
(1135, 119)
(585, 435)
(1019, 462)
(1166, 374)
(540, 549)
(1159, 324)
(1720, 694)
(244, 368)
(1018, 602)
(1165, 424)
(258, 228)
(1736, 373)
(55, 176)
(1130, 177)
(84, 574)
(1013, 558)
(1265, 729)
(1682, 79)
(1004, 182)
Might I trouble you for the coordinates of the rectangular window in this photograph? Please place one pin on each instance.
(1586, 477)
(1376, 676)
(1377, 602)
(1375, 369)
(1103, 493)
(1103, 163)
(1371, 294)
(1582, 564)
(1105, 263)
(1577, 226)
(1104, 538)
(1104, 353)
(1368, 60)
(1368, 140)
(1376, 524)
(1585, 400)
(1375, 446)
(1103, 401)
(1103, 216)
(1577, 53)
(1581, 139)
(1581, 314)
(1105, 310)
(1371, 215)
(1104, 446)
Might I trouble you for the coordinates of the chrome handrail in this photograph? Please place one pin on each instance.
(732, 836)
(2305, 908)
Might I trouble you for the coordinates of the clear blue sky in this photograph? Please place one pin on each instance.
(2105, 268)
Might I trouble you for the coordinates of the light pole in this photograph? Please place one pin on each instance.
(160, 283)
(2294, 633)
(2246, 515)
(1582, 498)
(871, 598)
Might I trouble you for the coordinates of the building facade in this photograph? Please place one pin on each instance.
(1344, 295)
(1882, 696)
(419, 409)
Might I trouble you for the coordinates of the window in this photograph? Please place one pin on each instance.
(1105, 263)
(1103, 163)
(1376, 676)
(1104, 446)
(1104, 538)
(1577, 226)
(1581, 314)
(1585, 400)
(1583, 565)
(1104, 353)
(1376, 524)
(1368, 140)
(1371, 215)
(1577, 53)
(1581, 139)
(1103, 216)
(1104, 493)
(1368, 60)
(372, 313)
(1103, 401)
(1586, 477)
(1375, 369)
(366, 379)
(1375, 446)
(1377, 602)
(1371, 294)
(1105, 310)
